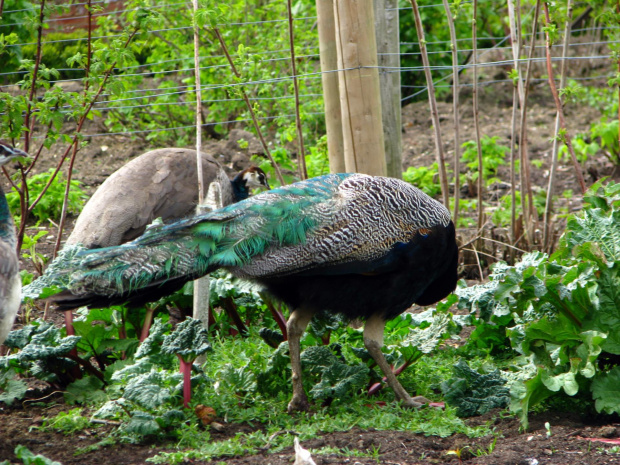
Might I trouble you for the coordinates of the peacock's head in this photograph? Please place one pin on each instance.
(254, 177)
(8, 153)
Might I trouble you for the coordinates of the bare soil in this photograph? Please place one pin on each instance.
(567, 443)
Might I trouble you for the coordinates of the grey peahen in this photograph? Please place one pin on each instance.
(362, 246)
(10, 281)
(162, 184)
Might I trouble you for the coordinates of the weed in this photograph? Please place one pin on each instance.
(50, 205)
(425, 178)
(66, 422)
(488, 451)
(494, 156)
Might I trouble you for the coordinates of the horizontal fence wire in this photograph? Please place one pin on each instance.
(151, 94)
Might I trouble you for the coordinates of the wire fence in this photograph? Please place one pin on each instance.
(153, 86)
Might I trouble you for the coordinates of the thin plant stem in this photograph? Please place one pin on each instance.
(455, 110)
(618, 12)
(72, 145)
(524, 156)
(556, 145)
(89, 45)
(443, 176)
(33, 84)
(216, 31)
(474, 39)
(301, 159)
(558, 104)
(201, 187)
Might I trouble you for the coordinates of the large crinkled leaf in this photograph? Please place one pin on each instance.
(152, 344)
(606, 391)
(607, 316)
(426, 340)
(11, 389)
(473, 393)
(596, 225)
(149, 390)
(46, 344)
(142, 424)
(189, 340)
(85, 390)
(338, 380)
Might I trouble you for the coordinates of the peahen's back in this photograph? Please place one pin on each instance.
(349, 243)
(10, 281)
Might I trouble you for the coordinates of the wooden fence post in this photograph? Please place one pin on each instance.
(388, 58)
(329, 76)
(360, 96)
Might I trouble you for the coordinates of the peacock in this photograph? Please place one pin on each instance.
(10, 281)
(160, 183)
(362, 246)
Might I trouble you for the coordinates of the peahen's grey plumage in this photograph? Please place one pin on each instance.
(358, 245)
(162, 183)
(10, 281)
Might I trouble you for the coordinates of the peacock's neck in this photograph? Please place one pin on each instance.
(7, 227)
(240, 190)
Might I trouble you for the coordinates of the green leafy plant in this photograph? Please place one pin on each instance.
(29, 247)
(187, 342)
(67, 422)
(561, 312)
(494, 156)
(607, 133)
(425, 178)
(473, 393)
(50, 205)
(28, 458)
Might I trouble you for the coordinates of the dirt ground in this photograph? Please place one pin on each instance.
(567, 443)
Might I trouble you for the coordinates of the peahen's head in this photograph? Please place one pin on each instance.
(254, 177)
(8, 153)
(250, 178)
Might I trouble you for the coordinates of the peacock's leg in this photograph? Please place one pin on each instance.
(295, 327)
(373, 340)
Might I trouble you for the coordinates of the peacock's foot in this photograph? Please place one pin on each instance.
(299, 403)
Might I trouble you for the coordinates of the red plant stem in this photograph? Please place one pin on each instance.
(146, 326)
(69, 324)
(618, 84)
(376, 387)
(73, 353)
(186, 369)
(87, 365)
(33, 84)
(231, 309)
(439, 153)
(90, 51)
(73, 144)
(36, 156)
(279, 317)
(65, 203)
